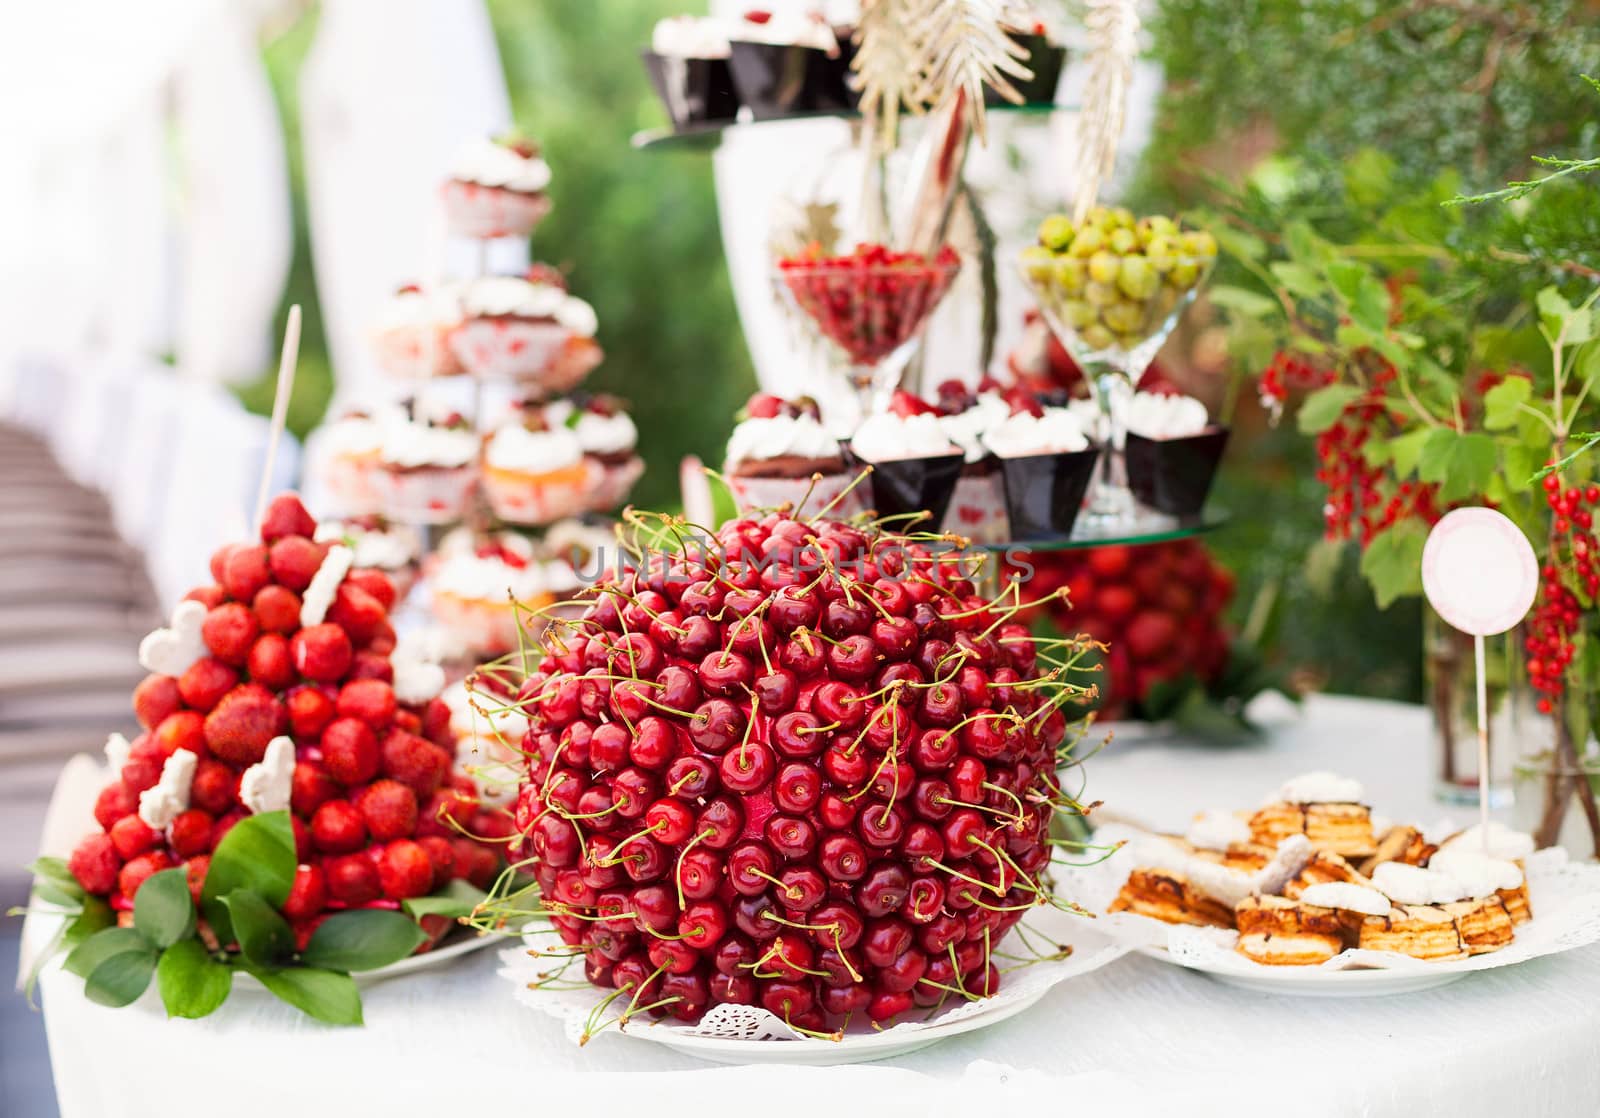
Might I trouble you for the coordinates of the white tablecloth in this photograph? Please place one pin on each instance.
(1136, 1037)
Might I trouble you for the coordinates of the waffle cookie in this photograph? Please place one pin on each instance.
(1280, 932)
(1516, 903)
(1483, 924)
(1421, 931)
(1400, 844)
(1170, 897)
(1324, 869)
(1344, 829)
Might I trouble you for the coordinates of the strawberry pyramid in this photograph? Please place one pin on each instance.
(808, 768)
(280, 687)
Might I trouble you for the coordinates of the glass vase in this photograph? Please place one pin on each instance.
(1451, 694)
(1557, 775)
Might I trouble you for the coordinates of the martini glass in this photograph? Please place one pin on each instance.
(872, 314)
(1113, 336)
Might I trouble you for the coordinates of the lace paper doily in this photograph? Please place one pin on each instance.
(575, 1007)
(1564, 896)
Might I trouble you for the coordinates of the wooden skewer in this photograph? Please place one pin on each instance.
(287, 361)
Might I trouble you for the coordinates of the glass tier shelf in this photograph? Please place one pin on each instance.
(705, 137)
(1151, 528)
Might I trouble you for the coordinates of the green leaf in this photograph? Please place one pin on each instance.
(256, 854)
(362, 939)
(163, 911)
(1298, 279)
(51, 893)
(192, 983)
(324, 994)
(1405, 451)
(1521, 461)
(1363, 294)
(264, 936)
(121, 978)
(1392, 563)
(1502, 403)
(1323, 407)
(458, 898)
(1561, 320)
(1243, 300)
(100, 946)
(55, 872)
(1237, 243)
(1461, 464)
(1368, 177)
(1302, 243)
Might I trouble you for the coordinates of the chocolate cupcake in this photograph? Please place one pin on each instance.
(688, 66)
(915, 465)
(1172, 452)
(781, 453)
(1044, 58)
(1046, 463)
(787, 65)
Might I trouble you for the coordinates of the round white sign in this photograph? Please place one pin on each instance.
(1479, 571)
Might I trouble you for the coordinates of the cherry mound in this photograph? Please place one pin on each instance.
(805, 767)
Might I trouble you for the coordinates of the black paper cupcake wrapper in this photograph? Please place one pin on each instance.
(778, 80)
(912, 485)
(1174, 475)
(1046, 61)
(1044, 492)
(694, 91)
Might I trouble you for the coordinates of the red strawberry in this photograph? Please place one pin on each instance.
(115, 800)
(405, 870)
(905, 405)
(370, 700)
(374, 582)
(219, 562)
(350, 751)
(308, 895)
(436, 723)
(322, 652)
(183, 730)
(1116, 604)
(310, 788)
(1150, 635)
(448, 813)
(191, 833)
(247, 718)
(303, 845)
(246, 572)
(764, 406)
(206, 681)
(495, 824)
(229, 630)
(294, 560)
(1109, 562)
(337, 828)
(367, 664)
(154, 699)
(389, 809)
(226, 823)
(215, 788)
(208, 596)
(357, 612)
(408, 720)
(383, 640)
(269, 663)
(310, 709)
(443, 857)
(95, 863)
(475, 863)
(286, 516)
(414, 761)
(277, 609)
(133, 836)
(195, 870)
(139, 870)
(352, 879)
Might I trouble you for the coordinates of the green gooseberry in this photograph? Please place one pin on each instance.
(1055, 232)
(1088, 241)
(1104, 266)
(1038, 263)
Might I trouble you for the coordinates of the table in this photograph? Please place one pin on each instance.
(1137, 1037)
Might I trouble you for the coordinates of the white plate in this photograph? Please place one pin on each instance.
(1313, 982)
(855, 1048)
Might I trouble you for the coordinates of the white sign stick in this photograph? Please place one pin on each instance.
(280, 409)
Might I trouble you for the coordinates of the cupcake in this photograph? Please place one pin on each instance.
(915, 464)
(1044, 57)
(496, 188)
(782, 454)
(1046, 464)
(608, 438)
(534, 472)
(688, 66)
(394, 549)
(473, 584)
(427, 468)
(788, 63)
(1172, 452)
(412, 338)
(977, 507)
(526, 328)
(349, 451)
(488, 726)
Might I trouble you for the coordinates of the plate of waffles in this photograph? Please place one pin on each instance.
(1306, 895)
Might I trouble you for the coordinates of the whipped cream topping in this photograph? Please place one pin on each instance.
(523, 451)
(417, 678)
(781, 436)
(117, 750)
(411, 445)
(357, 435)
(692, 37)
(787, 29)
(1287, 861)
(1226, 884)
(1217, 830)
(265, 785)
(605, 434)
(1414, 885)
(168, 798)
(1503, 842)
(488, 579)
(319, 595)
(512, 295)
(438, 307)
(966, 429)
(1480, 874)
(387, 549)
(490, 164)
(1057, 431)
(1346, 895)
(463, 541)
(170, 651)
(892, 438)
(1157, 415)
(1320, 788)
